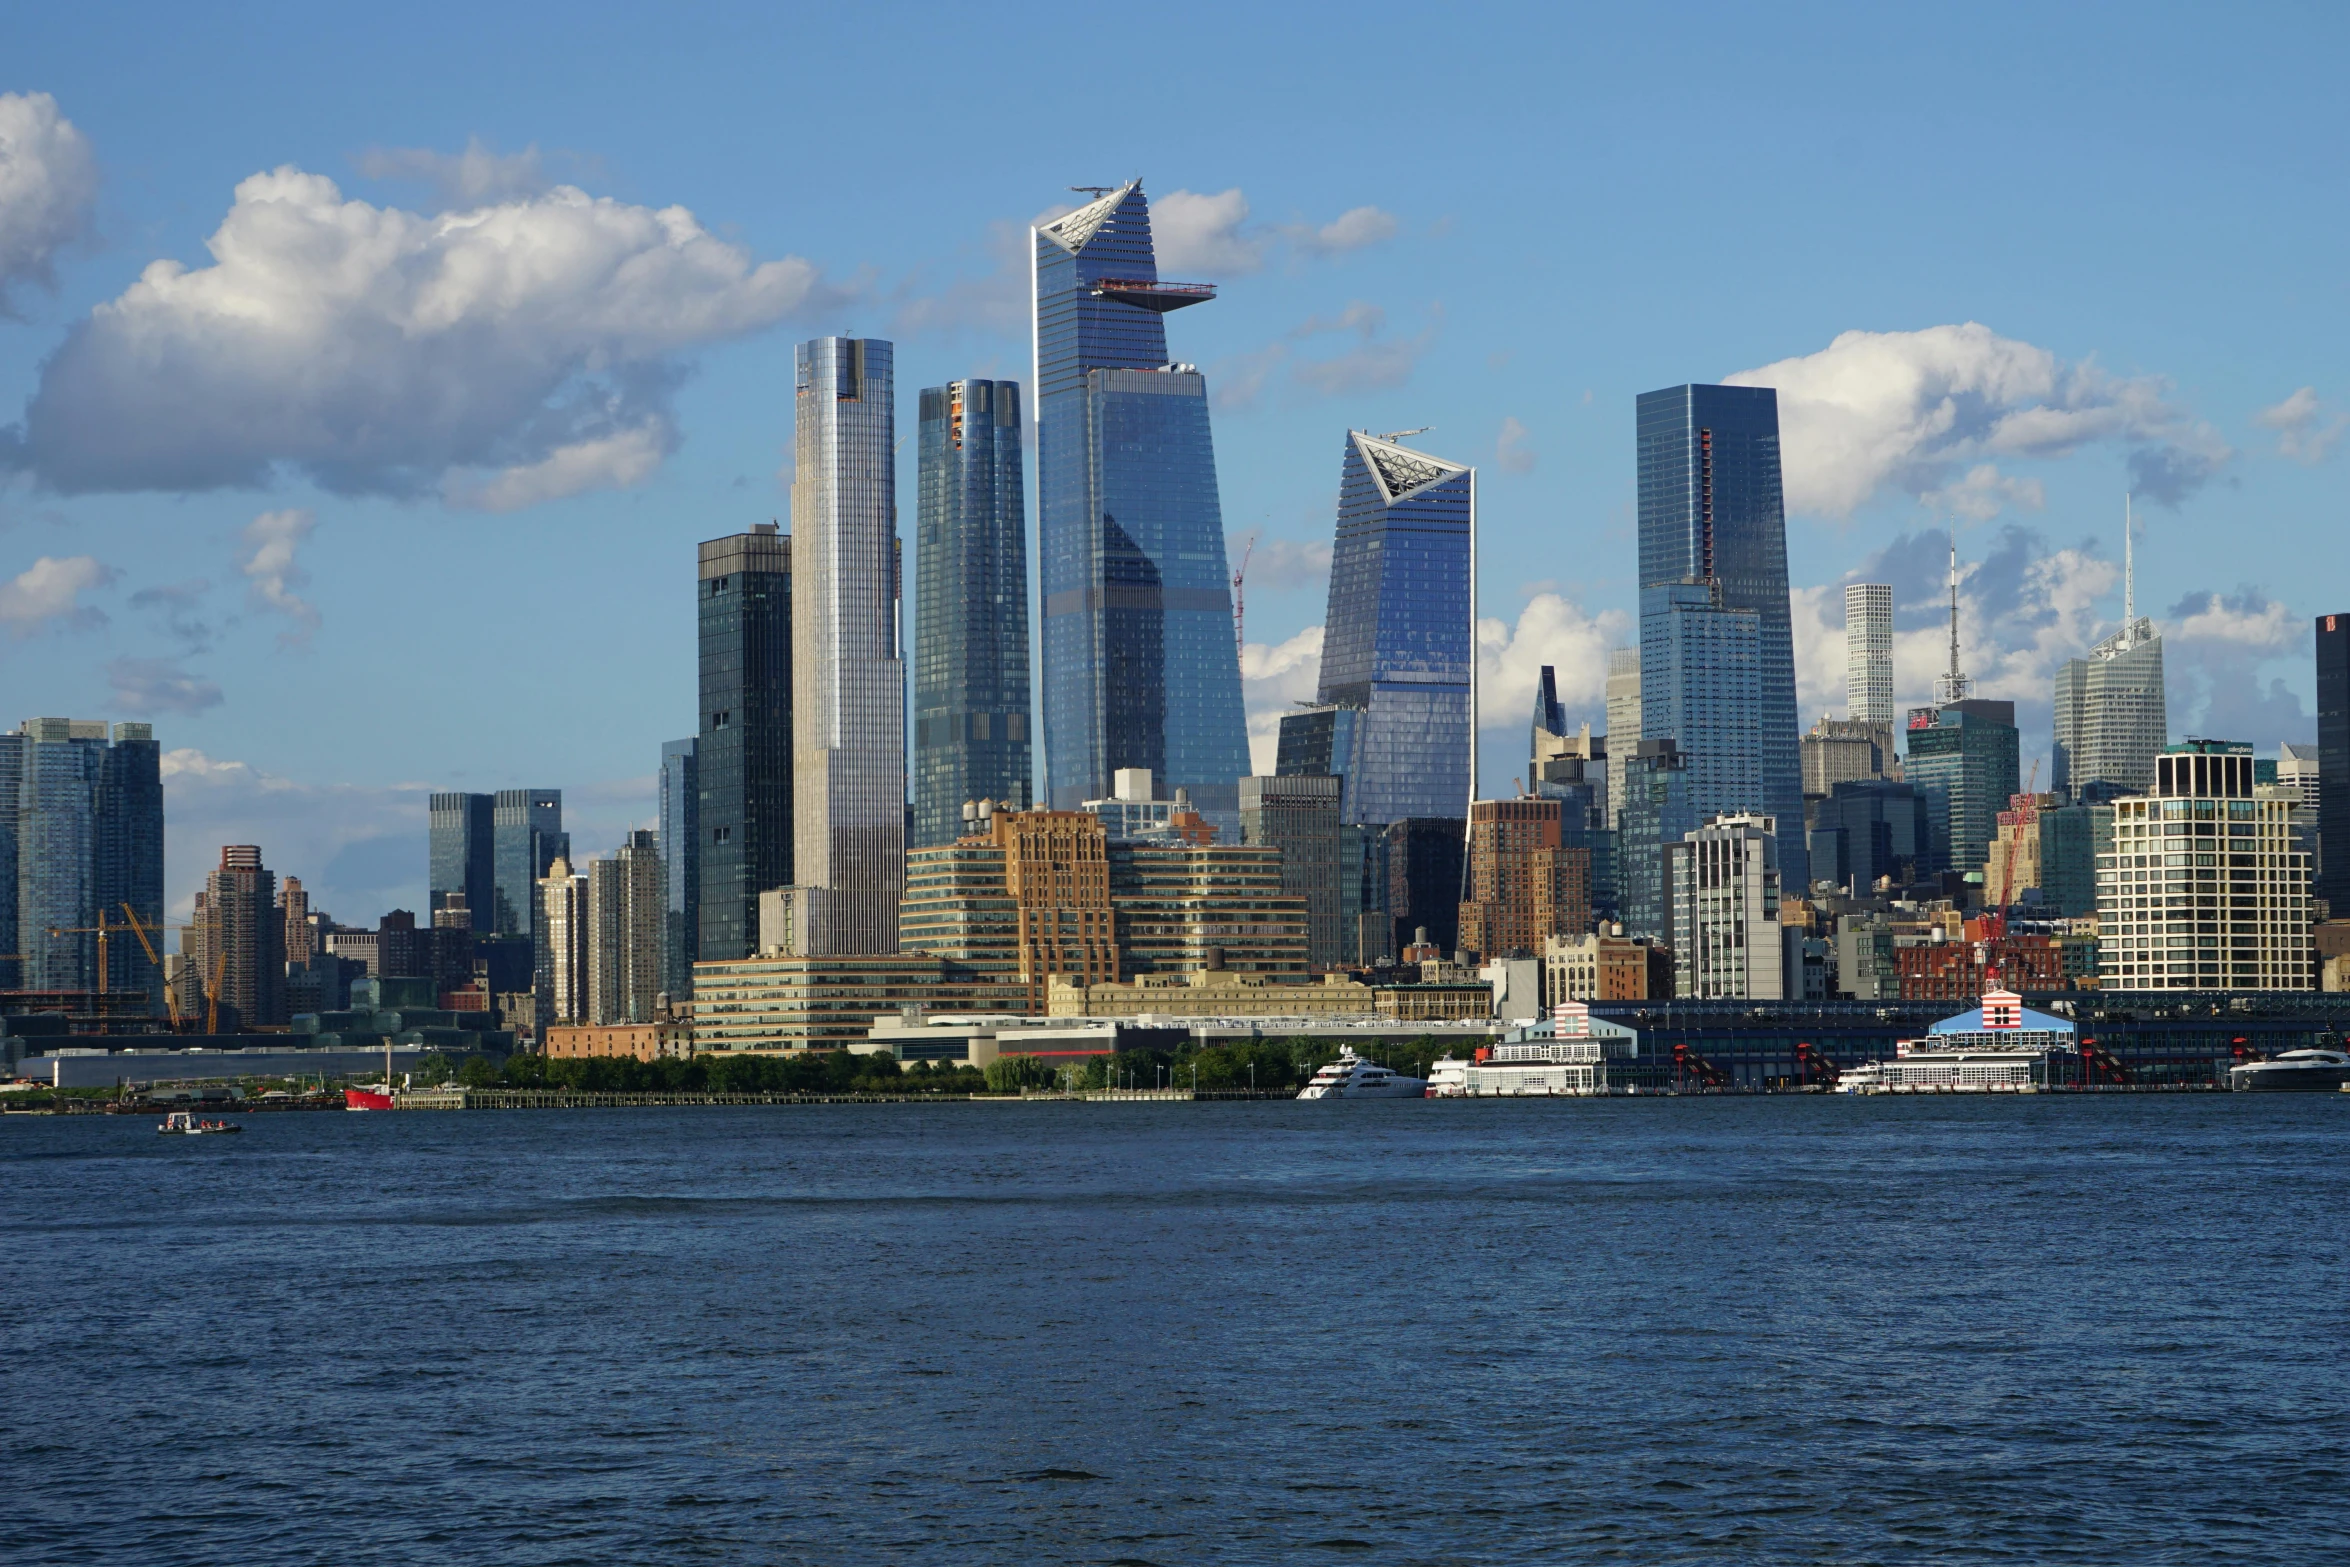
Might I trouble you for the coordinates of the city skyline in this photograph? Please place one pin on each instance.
(1352, 292)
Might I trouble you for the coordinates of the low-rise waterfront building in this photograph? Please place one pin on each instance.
(1212, 993)
(652, 1041)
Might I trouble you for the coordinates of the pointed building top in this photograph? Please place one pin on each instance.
(1073, 231)
(1399, 470)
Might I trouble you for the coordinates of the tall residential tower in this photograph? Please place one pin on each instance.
(971, 693)
(743, 755)
(1140, 667)
(848, 679)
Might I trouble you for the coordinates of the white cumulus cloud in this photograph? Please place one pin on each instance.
(1274, 678)
(49, 591)
(1510, 449)
(48, 185)
(376, 350)
(1211, 235)
(2307, 430)
(158, 685)
(1905, 410)
(1553, 630)
(475, 175)
(1283, 563)
(273, 540)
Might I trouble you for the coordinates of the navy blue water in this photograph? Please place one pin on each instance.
(1789, 1329)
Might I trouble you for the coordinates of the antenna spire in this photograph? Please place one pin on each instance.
(2129, 572)
(1954, 684)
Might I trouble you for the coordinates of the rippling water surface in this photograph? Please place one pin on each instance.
(2052, 1330)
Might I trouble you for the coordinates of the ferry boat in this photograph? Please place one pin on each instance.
(2294, 1072)
(1998, 1048)
(184, 1123)
(1352, 1077)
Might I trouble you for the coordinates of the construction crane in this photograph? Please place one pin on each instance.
(1239, 604)
(171, 1000)
(101, 930)
(1995, 919)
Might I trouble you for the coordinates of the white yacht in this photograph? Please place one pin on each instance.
(1352, 1077)
(1449, 1079)
(2294, 1072)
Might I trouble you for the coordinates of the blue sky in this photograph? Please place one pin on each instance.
(400, 491)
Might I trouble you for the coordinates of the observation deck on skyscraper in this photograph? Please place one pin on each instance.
(1149, 295)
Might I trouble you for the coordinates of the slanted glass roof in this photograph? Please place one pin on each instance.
(1401, 470)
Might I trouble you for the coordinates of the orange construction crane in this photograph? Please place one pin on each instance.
(1240, 604)
(171, 999)
(101, 930)
(2021, 813)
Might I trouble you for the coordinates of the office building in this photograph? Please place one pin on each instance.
(681, 868)
(2112, 716)
(2203, 889)
(2333, 762)
(293, 906)
(848, 678)
(743, 755)
(81, 837)
(1399, 638)
(628, 915)
(1867, 830)
(243, 940)
(1842, 750)
(1606, 965)
(1962, 758)
(1717, 653)
(1140, 665)
(1727, 940)
(1868, 657)
(564, 933)
(1020, 897)
(461, 855)
(526, 839)
(1299, 817)
(1133, 814)
(1524, 885)
(1183, 908)
(1574, 769)
(2014, 871)
(1623, 722)
(1426, 860)
(971, 689)
(1656, 811)
(2072, 840)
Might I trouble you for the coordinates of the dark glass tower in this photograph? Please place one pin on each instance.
(744, 752)
(1399, 651)
(1717, 653)
(462, 855)
(2333, 763)
(971, 696)
(1140, 666)
(526, 836)
(81, 836)
(681, 867)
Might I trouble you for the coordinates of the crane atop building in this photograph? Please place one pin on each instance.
(1248, 547)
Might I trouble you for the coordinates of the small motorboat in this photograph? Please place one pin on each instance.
(184, 1123)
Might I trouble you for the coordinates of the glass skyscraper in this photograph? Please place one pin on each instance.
(971, 692)
(2333, 763)
(681, 868)
(1399, 648)
(848, 678)
(81, 836)
(526, 836)
(2112, 716)
(1962, 758)
(743, 756)
(1140, 665)
(1717, 652)
(462, 856)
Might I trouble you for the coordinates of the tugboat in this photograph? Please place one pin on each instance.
(184, 1122)
(2294, 1072)
(1352, 1077)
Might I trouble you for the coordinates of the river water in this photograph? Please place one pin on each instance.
(2064, 1329)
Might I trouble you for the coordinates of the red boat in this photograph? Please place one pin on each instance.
(365, 1099)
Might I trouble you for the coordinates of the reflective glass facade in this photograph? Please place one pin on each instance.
(2333, 762)
(681, 867)
(1962, 758)
(971, 690)
(526, 836)
(1399, 643)
(2112, 716)
(462, 857)
(1712, 517)
(81, 835)
(1656, 811)
(1140, 666)
(743, 755)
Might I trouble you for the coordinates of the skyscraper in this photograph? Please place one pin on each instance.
(565, 936)
(1399, 645)
(1727, 940)
(526, 837)
(626, 914)
(1299, 816)
(681, 868)
(743, 757)
(1713, 554)
(462, 856)
(2333, 762)
(1623, 722)
(244, 938)
(2112, 717)
(1868, 655)
(1524, 885)
(1962, 757)
(1140, 666)
(848, 680)
(1656, 812)
(81, 836)
(971, 693)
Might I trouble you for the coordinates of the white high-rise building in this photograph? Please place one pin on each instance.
(1623, 722)
(2204, 888)
(848, 668)
(1725, 889)
(1868, 654)
(2111, 713)
(565, 938)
